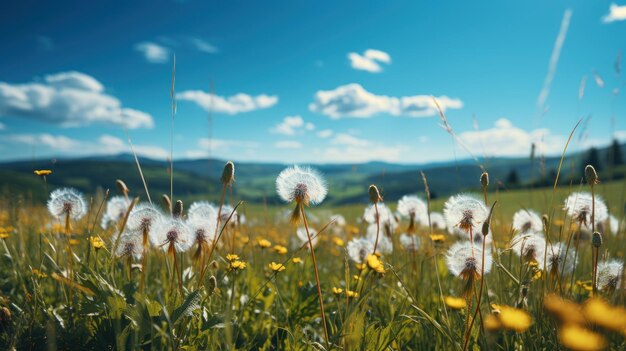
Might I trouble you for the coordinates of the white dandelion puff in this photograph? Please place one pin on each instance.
(530, 246)
(437, 220)
(386, 218)
(385, 246)
(67, 202)
(579, 207)
(172, 233)
(203, 211)
(202, 229)
(144, 218)
(129, 245)
(302, 237)
(527, 221)
(560, 259)
(610, 275)
(338, 220)
(463, 261)
(359, 248)
(466, 213)
(410, 206)
(227, 210)
(410, 242)
(301, 184)
(115, 210)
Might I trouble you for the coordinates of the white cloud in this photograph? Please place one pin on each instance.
(203, 46)
(326, 133)
(347, 139)
(2, 126)
(616, 13)
(504, 139)
(104, 145)
(359, 154)
(69, 99)
(292, 125)
(153, 52)
(223, 144)
(231, 105)
(352, 100)
(287, 144)
(620, 135)
(554, 59)
(369, 61)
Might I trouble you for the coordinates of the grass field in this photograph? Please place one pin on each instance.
(62, 288)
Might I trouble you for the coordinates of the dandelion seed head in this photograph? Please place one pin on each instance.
(437, 220)
(412, 207)
(172, 231)
(202, 210)
(579, 206)
(465, 212)
(410, 242)
(144, 217)
(359, 248)
(130, 245)
(385, 245)
(202, 230)
(461, 261)
(531, 246)
(610, 275)
(527, 221)
(115, 210)
(560, 259)
(385, 217)
(303, 238)
(301, 184)
(67, 201)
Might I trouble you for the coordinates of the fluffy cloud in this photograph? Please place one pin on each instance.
(369, 61)
(225, 144)
(347, 139)
(616, 13)
(359, 154)
(70, 99)
(292, 125)
(231, 105)
(203, 46)
(324, 134)
(104, 145)
(504, 139)
(353, 100)
(287, 144)
(153, 52)
(620, 135)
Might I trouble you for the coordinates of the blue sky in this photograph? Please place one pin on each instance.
(309, 81)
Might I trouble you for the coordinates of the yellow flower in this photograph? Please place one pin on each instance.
(361, 266)
(598, 311)
(3, 234)
(356, 277)
(245, 239)
(564, 310)
(352, 294)
(96, 242)
(455, 303)
(264, 243)
(296, 260)
(74, 242)
(437, 238)
(276, 267)
(280, 249)
(38, 273)
(559, 222)
(492, 323)
(338, 241)
(337, 291)
(585, 285)
(237, 265)
(576, 337)
(514, 319)
(232, 257)
(43, 172)
(375, 264)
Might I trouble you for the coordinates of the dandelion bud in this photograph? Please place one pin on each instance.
(524, 291)
(178, 209)
(374, 194)
(546, 220)
(591, 176)
(121, 186)
(484, 180)
(212, 284)
(487, 222)
(228, 175)
(596, 239)
(5, 314)
(167, 203)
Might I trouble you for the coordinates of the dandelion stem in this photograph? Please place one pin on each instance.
(317, 277)
(377, 228)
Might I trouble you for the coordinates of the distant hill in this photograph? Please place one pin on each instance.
(255, 181)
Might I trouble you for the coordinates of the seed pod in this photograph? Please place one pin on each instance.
(228, 175)
(212, 285)
(484, 180)
(487, 222)
(591, 175)
(374, 194)
(121, 186)
(178, 209)
(596, 239)
(167, 203)
(546, 220)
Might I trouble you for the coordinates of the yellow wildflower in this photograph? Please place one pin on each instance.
(356, 277)
(514, 319)
(96, 242)
(598, 311)
(492, 323)
(264, 243)
(585, 285)
(559, 222)
(3, 234)
(237, 265)
(337, 291)
(296, 260)
(338, 241)
(352, 294)
(375, 264)
(74, 242)
(437, 238)
(361, 266)
(276, 267)
(232, 257)
(455, 303)
(576, 337)
(564, 310)
(43, 172)
(281, 250)
(38, 273)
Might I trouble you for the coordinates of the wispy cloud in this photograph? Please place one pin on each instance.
(554, 59)
(616, 13)
(153, 52)
(352, 100)
(324, 134)
(203, 46)
(347, 139)
(291, 125)
(2, 126)
(238, 103)
(69, 99)
(287, 144)
(369, 61)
